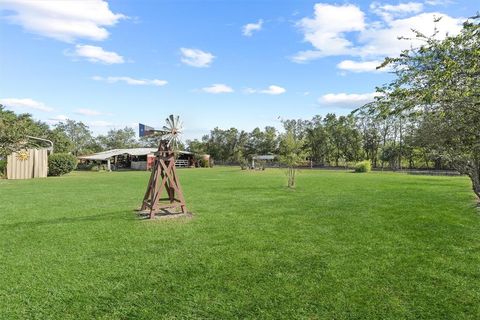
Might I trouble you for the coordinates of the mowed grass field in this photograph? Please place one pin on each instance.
(340, 246)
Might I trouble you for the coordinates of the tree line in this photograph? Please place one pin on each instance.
(388, 142)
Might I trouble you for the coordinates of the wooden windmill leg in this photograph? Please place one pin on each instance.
(154, 193)
(159, 189)
(176, 186)
(180, 196)
(148, 193)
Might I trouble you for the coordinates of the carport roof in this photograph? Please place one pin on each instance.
(116, 152)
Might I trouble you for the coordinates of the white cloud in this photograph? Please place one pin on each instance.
(347, 100)
(360, 66)
(57, 119)
(88, 112)
(62, 20)
(341, 30)
(305, 56)
(388, 11)
(249, 28)
(196, 58)
(132, 81)
(326, 31)
(96, 54)
(439, 2)
(100, 124)
(218, 88)
(25, 104)
(383, 41)
(272, 90)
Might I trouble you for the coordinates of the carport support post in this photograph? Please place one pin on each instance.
(108, 165)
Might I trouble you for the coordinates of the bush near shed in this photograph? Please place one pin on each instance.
(61, 163)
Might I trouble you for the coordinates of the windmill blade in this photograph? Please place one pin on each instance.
(177, 122)
(170, 122)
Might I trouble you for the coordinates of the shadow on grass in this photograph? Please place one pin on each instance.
(106, 216)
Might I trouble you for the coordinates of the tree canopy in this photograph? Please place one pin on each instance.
(437, 87)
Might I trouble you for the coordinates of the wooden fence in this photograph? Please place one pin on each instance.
(27, 164)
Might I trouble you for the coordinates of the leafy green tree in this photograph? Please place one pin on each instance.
(61, 142)
(196, 146)
(79, 134)
(119, 139)
(438, 83)
(13, 131)
(291, 154)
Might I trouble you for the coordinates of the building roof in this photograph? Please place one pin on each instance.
(264, 157)
(104, 155)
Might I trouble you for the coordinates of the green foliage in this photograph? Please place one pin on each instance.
(120, 139)
(291, 155)
(364, 166)
(13, 131)
(61, 163)
(79, 134)
(243, 164)
(3, 167)
(232, 145)
(339, 247)
(203, 163)
(86, 166)
(438, 85)
(61, 142)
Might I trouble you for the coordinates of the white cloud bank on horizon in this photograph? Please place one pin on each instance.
(132, 81)
(196, 57)
(342, 30)
(66, 21)
(25, 103)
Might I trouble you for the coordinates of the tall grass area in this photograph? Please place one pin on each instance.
(341, 245)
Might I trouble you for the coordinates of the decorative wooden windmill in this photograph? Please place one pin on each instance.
(164, 178)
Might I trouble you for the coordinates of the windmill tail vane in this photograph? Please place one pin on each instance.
(164, 178)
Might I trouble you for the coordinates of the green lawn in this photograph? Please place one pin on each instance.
(342, 245)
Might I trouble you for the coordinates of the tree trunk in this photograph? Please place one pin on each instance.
(475, 177)
(473, 172)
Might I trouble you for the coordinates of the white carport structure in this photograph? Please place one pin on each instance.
(265, 157)
(108, 155)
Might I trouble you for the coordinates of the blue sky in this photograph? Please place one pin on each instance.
(214, 63)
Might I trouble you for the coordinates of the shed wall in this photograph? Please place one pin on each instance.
(36, 166)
